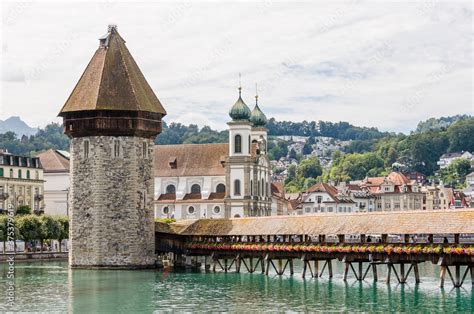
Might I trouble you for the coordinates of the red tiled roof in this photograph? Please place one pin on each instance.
(52, 161)
(216, 196)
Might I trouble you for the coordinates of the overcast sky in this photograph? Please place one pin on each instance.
(385, 65)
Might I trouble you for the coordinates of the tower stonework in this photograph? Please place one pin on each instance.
(112, 117)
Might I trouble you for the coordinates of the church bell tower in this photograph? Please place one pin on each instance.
(112, 117)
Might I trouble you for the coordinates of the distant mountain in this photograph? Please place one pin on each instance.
(18, 126)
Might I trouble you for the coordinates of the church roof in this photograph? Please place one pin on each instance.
(112, 81)
(190, 160)
(257, 117)
(54, 161)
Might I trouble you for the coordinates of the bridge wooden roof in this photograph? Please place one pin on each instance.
(408, 222)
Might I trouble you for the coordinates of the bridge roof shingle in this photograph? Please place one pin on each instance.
(409, 222)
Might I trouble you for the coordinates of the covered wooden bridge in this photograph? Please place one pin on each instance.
(402, 239)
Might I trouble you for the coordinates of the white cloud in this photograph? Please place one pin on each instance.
(356, 61)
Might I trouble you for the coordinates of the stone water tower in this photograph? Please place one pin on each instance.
(112, 117)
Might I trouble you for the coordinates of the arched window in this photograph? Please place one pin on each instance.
(238, 144)
(220, 188)
(263, 188)
(251, 187)
(258, 188)
(195, 189)
(170, 189)
(249, 144)
(19, 173)
(11, 173)
(237, 187)
(27, 174)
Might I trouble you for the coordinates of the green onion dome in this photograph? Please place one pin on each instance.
(239, 111)
(257, 117)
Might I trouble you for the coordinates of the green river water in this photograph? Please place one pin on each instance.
(52, 287)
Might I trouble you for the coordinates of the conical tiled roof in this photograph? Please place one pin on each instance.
(112, 81)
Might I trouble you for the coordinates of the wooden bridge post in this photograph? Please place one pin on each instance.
(330, 268)
(225, 264)
(417, 273)
(305, 264)
(374, 271)
(291, 267)
(442, 276)
(207, 265)
(360, 272)
(402, 273)
(316, 270)
(389, 272)
(262, 264)
(346, 270)
(280, 267)
(471, 269)
(251, 264)
(457, 270)
(237, 263)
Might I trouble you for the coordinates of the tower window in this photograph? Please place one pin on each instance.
(251, 187)
(170, 189)
(11, 173)
(27, 174)
(116, 148)
(19, 173)
(145, 150)
(220, 188)
(238, 144)
(237, 187)
(191, 210)
(86, 149)
(195, 189)
(249, 144)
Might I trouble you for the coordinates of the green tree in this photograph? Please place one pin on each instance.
(455, 174)
(64, 234)
(292, 154)
(23, 210)
(391, 157)
(3, 230)
(29, 228)
(461, 136)
(307, 149)
(50, 229)
(309, 168)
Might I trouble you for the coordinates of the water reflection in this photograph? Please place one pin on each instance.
(50, 286)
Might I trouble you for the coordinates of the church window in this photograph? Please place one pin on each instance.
(238, 143)
(191, 210)
(11, 173)
(217, 210)
(116, 148)
(86, 149)
(195, 189)
(249, 144)
(19, 173)
(27, 174)
(263, 188)
(170, 189)
(251, 187)
(237, 187)
(166, 210)
(220, 188)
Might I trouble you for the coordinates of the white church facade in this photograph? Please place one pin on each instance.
(219, 180)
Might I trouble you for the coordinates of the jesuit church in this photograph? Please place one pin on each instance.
(220, 180)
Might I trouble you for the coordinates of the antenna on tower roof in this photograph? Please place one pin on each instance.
(240, 84)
